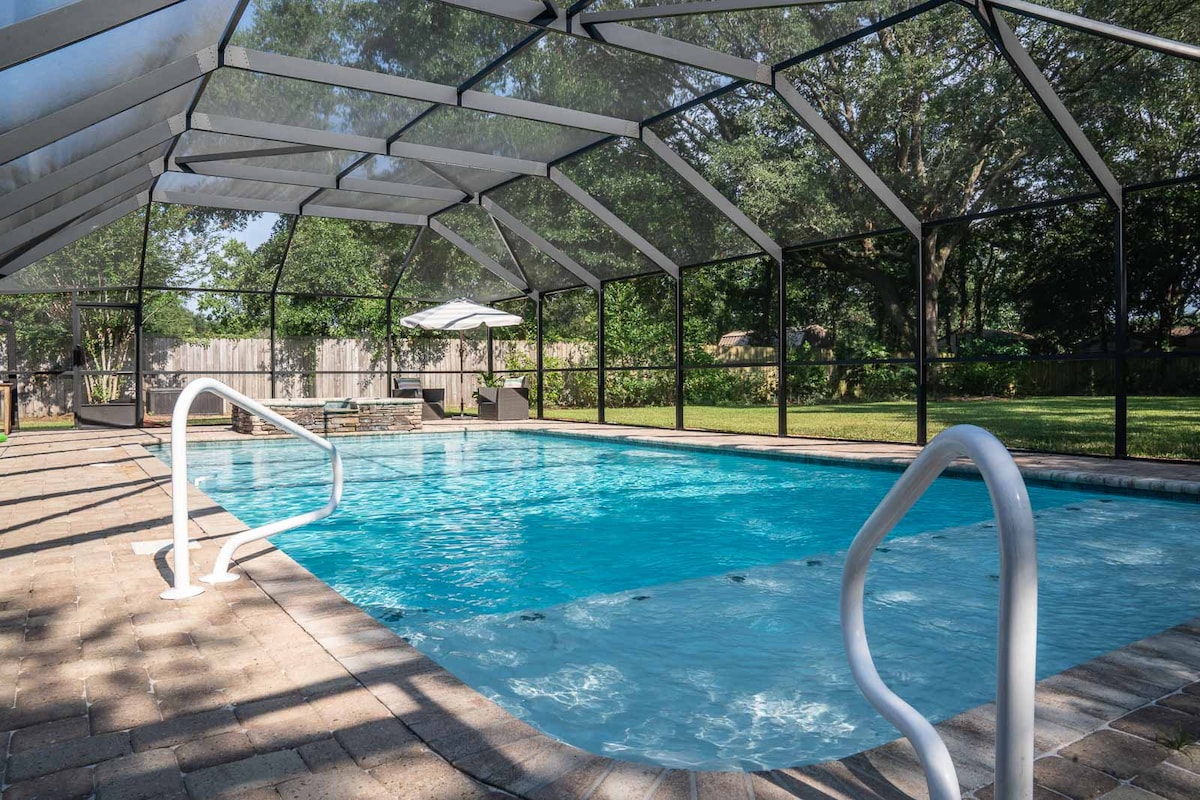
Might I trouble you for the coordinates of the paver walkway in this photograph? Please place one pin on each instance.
(275, 687)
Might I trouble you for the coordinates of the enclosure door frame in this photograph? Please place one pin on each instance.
(77, 359)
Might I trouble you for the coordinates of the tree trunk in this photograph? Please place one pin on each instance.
(933, 264)
(936, 248)
(1166, 323)
(979, 305)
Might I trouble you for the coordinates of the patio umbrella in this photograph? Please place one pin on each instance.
(460, 315)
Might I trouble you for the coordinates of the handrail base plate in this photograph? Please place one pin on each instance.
(182, 594)
(224, 577)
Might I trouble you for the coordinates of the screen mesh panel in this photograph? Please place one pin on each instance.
(412, 38)
(953, 133)
(564, 223)
(621, 83)
(337, 256)
(37, 87)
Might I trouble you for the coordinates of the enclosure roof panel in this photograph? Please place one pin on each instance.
(769, 35)
(618, 83)
(493, 134)
(409, 38)
(771, 124)
(69, 259)
(303, 104)
(74, 73)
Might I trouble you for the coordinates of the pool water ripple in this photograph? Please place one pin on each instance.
(680, 607)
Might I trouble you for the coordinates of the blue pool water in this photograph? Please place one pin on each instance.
(680, 607)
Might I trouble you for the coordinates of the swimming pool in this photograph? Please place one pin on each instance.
(679, 607)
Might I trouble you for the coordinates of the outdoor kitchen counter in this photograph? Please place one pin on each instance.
(336, 415)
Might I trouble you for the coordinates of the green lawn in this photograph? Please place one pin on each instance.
(1159, 427)
(47, 423)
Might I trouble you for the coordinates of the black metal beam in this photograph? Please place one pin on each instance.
(781, 347)
(921, 356)
(1107, 30)
(601, 359)
(1120, 372)
(139, 318)
(679, 388)
(856, 35)
(698, 7)
(541, 370)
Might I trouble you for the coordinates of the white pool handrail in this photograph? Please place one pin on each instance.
(1017, 653)
(179, 487)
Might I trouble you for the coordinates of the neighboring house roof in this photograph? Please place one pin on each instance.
(734, 339)
(795, 337)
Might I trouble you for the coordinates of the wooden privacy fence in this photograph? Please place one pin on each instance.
(317, 367)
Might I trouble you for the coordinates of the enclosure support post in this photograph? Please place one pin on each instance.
(601, 363)
(76, 359)
(273, 393)
(1120, 375)
(387, 327)
(541, 382)
(679, 352)
(10, 351)
(922, 360)
(781, 349)
(139, 410)
(287, 248)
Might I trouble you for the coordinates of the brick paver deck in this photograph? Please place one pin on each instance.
(276, 687)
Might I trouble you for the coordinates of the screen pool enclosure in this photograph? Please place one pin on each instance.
(861, 220)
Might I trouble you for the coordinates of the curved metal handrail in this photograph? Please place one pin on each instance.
(179, 484)
(1016, 661)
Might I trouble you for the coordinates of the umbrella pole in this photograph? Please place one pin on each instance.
(462, 409)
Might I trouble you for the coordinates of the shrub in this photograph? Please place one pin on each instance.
(877, 382)
(985, 378)
(562, 389)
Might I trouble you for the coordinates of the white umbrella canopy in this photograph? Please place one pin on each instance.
(460, 315)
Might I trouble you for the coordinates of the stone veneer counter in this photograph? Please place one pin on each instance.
(336, 415)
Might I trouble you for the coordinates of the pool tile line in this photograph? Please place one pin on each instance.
(1172, 489)
(1090, 470)
(1098, 474)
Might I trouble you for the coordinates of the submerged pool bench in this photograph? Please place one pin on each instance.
(336, 415)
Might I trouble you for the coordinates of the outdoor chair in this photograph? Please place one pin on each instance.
(507, 402)
(433, 400)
